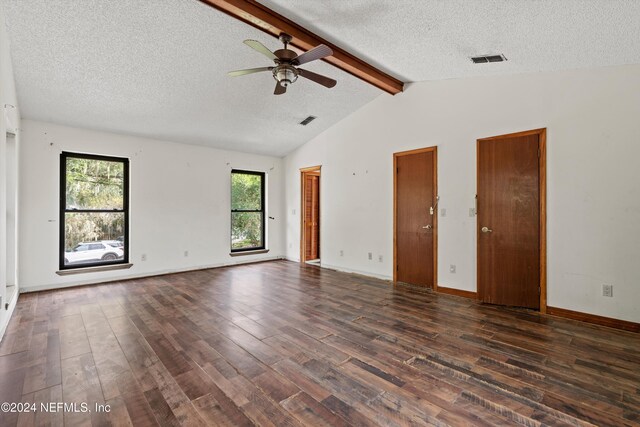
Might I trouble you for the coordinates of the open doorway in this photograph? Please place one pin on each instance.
(310, 215)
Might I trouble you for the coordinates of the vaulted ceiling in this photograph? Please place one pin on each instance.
(158, 68)
(420, 40)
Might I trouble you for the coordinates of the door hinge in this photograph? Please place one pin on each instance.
(539, 290)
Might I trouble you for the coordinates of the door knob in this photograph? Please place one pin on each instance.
(486, 230)
(428, 227)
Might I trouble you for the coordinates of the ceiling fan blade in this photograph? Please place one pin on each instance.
(317, 52)
(279, 90)
(248, 71)
(255, 44)
(318, 78)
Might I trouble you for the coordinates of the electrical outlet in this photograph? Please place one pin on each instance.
(379, 258)
(370, 256)
(143, 257)
(607, 291)
(341, 252)
(186, 253)
(452, 268)
(443, 212)
(472, 212)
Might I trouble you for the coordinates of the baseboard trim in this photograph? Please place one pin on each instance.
(551, 311)
(352, 271)
(595, 319)
(145, 275)
(457, 292)
(10, 310)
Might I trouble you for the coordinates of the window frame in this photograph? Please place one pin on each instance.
(263, 211)
(63, 208)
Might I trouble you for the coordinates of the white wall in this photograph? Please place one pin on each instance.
(8, 183)
(179, 201)
(11, 181)
(593, 159)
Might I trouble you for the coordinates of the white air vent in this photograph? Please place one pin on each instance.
(483, 59)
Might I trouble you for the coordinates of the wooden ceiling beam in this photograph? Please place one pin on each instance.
(261, 17)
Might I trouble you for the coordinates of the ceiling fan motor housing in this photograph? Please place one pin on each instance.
(285, 74)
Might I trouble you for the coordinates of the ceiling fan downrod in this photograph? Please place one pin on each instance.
(285, 39)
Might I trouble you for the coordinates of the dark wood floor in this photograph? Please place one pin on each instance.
(279, 344)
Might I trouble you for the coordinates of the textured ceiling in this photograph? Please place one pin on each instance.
(419, 40)
(157, 69)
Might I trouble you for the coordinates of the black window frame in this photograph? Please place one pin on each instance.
(262, 210)
(63, 208)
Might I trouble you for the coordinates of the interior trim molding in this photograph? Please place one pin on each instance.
(594, 318)
(253, 252)
(317, 168)
(94, 269)
(261, 17)
(458, 292)
(366, 274)
(102, 280)
(10, 310)
(310, 170)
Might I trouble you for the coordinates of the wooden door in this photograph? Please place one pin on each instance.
(312, 216)
(310, 233)
(415, 224)
(509, 219)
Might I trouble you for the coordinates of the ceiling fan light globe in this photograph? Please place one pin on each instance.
(285, 74)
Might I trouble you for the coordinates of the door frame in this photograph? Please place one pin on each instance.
(542, 185)
(433, 149)
(303, 172)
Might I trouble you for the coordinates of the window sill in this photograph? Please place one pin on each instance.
(96, 269)
(242, 253)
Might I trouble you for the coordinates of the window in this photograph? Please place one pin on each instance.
(247, 211)
(94, 210)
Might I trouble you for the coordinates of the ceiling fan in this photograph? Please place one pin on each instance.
(286, 70)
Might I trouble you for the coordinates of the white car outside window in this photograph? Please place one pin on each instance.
(93, 252)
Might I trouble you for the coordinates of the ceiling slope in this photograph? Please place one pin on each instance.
(158, 69)
(419, 40)
(261, 17)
